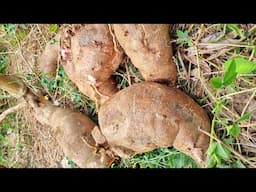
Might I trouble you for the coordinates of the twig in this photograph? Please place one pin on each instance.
(248, 102)
(236, 93)
(200, 34)
(228, 147)
(226, 44)
(253, 28)
(183, 67)
(11, 110)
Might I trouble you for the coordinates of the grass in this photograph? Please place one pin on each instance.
(216, 66)
(159, 158)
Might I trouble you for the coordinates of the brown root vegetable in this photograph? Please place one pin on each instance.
(148, 115)
(98, 93)
(72, 131)
(91, 56)
(48, 60)
(148, 46)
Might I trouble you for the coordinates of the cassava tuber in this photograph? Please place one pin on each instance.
(149, 48)
(72, 130)
(90, 56)
(148, 115)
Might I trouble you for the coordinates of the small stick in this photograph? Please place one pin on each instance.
(248, 102)
(11, 110)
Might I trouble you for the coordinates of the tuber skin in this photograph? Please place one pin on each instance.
(90, 56)
(148, 115)
(71, 129)
(148, 46)
(48, 60)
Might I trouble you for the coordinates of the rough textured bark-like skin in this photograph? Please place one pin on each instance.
(48, 60)
(94, 57)
(149, 115)
(72, 131)
(148, 46)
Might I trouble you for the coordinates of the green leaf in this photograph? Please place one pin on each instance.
(181, 34)
(9, 28)
(3, 68)
(243, 66)
(235, 28)
(23, 26)
(53, 27)
(212, 148)
(216, 82)
(217, 107)
(244, 117)
(229, 140)
(238, 50)
(190, 43)
(230, 74)
(183, 38)
(212, 162)
(237, 164)
(53, 41)
(222, 152)
(234, 130)
(217, 158)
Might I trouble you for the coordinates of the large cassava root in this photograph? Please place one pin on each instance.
(90, 56)
(71, 129)
(149, 115)
(148, 46)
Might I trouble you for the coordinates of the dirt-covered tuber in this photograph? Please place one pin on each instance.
(91, 54)
(148, 115)
(72, 130)
(149, 48)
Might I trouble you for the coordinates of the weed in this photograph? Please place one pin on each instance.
(3, 63)
(234, 67)
(183, 38)
(9, 28)
(160, 158)
(6, 149)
